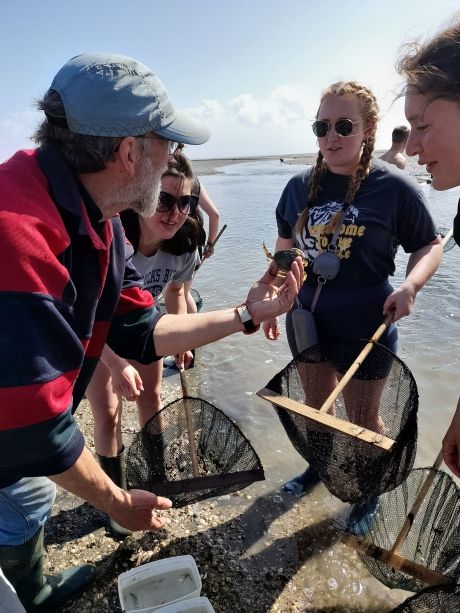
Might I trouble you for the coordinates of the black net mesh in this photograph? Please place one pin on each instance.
(382, 396)
(432, 600)
(433, 540)
(159, 458)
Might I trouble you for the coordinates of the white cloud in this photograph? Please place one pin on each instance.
(283, 105)
(245, 108)
(208, 110)
(246, 125)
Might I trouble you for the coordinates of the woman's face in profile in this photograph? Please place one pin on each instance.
(434, 136)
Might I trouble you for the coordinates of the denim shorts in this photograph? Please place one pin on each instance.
(24, 508)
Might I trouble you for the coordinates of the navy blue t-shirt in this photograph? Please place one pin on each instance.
(388, 210)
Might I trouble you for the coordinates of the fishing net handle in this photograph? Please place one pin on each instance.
(447, 237)
(213, 243)
(409, 521)
(183, 382)
(409, 567)
(391, 556)
(218, 236)
(189, 422)
(356, 364)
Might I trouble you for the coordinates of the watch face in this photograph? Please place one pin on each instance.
(246, 319)
(244, 314)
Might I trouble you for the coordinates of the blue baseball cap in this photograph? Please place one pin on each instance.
(114, 95)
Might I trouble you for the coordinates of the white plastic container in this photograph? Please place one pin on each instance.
(191, 605)
(156, 584)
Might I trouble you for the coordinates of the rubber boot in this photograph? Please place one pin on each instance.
(115, 468)
(23, 567)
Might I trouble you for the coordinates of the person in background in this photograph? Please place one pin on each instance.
(69, 286)
(374, 209)
(395, 155)
(432, 106)
(165, 254)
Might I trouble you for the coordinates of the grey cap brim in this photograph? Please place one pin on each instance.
(185, 129)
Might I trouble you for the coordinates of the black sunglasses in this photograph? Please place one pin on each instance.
(342, 127)
(185, 204)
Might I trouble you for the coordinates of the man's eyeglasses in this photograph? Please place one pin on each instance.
(342, 127)
(185, 204)
(172, 145)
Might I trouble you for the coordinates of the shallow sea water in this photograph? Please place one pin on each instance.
(229, 372)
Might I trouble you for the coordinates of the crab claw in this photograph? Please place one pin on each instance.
(268, 255)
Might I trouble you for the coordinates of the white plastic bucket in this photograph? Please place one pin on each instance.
(191, 605)
(156, 584)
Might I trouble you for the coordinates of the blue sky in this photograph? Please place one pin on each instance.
(253, 70)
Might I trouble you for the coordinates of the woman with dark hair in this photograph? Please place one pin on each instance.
(432, 107)
(165, 246)
(359, 210)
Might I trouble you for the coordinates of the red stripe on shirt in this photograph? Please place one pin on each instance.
(32, 404)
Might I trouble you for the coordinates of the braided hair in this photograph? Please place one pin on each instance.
(369, 113)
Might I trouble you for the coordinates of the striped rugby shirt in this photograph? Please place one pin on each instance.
(67, 285)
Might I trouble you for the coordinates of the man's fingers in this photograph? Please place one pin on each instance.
(297, 268)
(162, 503)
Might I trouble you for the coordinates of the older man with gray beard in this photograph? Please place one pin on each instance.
(67, 286)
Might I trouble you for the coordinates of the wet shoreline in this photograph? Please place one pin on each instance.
(211, 167)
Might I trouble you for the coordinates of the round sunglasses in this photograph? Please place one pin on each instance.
(342, 127)
(185, 204)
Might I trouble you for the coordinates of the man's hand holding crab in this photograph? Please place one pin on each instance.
(274, 294)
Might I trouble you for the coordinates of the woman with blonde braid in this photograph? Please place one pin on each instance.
(366, 209)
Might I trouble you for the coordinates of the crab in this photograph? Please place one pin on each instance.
(284, 259)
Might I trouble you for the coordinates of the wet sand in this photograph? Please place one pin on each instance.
(211, 167)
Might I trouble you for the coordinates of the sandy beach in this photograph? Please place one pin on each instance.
(210, 167)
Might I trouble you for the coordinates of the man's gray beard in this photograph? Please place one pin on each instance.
(141, 195)
(149, 186)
